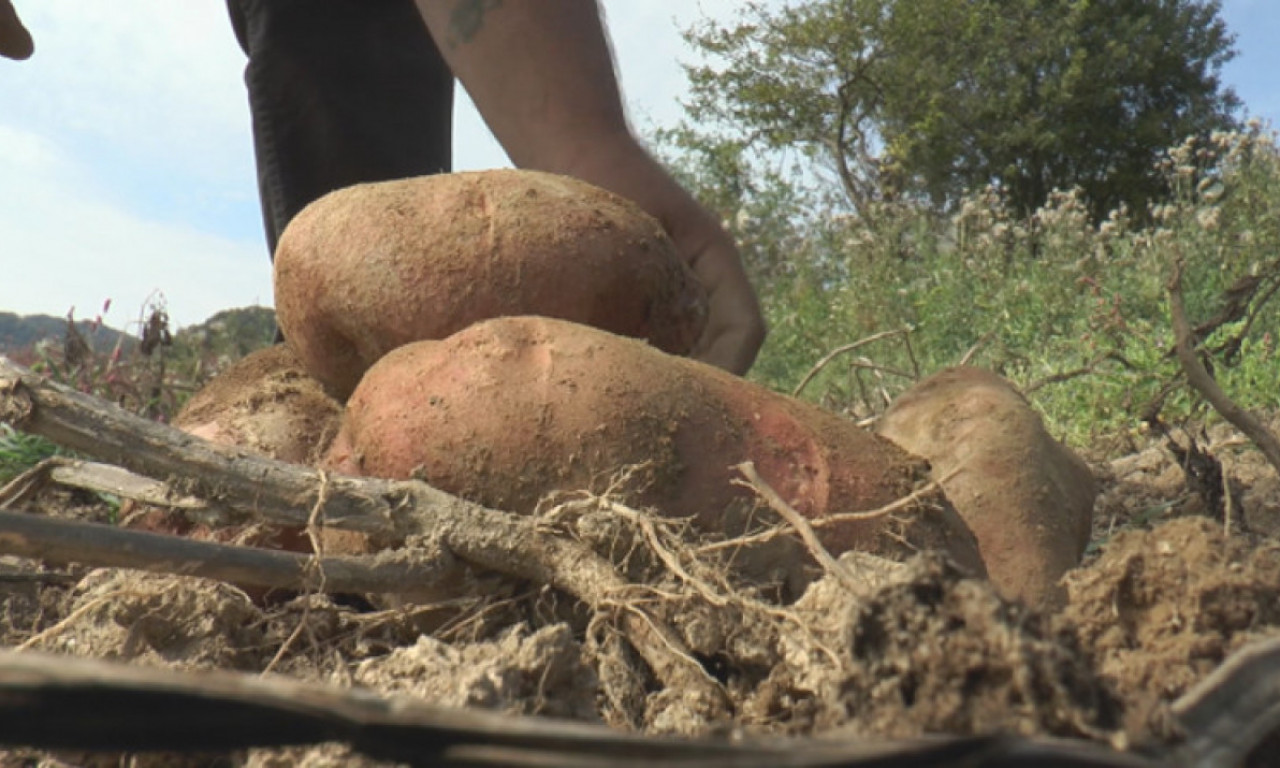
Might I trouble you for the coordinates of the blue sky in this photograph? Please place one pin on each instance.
(126, 169)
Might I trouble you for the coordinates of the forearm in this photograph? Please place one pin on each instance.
(539, 71)
(541, 74)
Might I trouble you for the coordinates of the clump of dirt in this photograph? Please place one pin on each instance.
(521, 672)
(155, 619)
(1161, 609)
(930, 651)
(324, 756)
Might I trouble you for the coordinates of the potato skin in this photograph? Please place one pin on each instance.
(265, 402)
(368, 268)
(1027, 498)
(511, 409)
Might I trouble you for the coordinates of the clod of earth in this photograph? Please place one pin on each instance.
(1160, 609)
(513, 409)
(368, 268)
(1027, 498)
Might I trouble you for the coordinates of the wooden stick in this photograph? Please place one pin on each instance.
(1202, 382)
(833, 354)
(105, 546)
(1232, 710)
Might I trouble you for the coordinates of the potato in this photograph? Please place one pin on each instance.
(512, 409)
(366, 269)
(265, 403)
(1027, 498)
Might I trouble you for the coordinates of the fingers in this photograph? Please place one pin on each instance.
(735, 326)
(15, 40)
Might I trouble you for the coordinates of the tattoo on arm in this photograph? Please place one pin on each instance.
(467, 19)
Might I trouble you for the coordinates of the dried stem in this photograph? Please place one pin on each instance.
(1203, 382)
(255, 487)
(833, 354)
(105, 546)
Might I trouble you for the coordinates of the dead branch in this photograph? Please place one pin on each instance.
(1232, 710)
(972, 352)
(834, 518)
(1203, 382)
(260, 488)
(105, 546)
(101, 478)
(1087, 369)
(833, 354)
(931, 488)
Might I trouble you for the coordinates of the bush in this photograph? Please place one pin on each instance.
(1044, 299)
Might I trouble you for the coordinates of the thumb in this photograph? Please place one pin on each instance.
(15, 40)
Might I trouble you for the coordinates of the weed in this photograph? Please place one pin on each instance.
(20, 452)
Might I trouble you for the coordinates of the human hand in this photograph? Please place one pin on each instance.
(735, 326)
(15, 40)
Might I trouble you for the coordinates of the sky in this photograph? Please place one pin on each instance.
(126, 162)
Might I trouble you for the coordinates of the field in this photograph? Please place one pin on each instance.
(595, 609)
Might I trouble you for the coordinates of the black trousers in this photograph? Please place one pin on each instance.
(342, 92)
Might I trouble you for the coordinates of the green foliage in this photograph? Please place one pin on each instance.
(20, 452)
(930, 98)
(1072, 310)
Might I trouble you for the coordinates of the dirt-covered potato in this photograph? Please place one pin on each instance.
(265, 403)
(268, 403)
(514, 408)
(366, 269)
(1028, 498)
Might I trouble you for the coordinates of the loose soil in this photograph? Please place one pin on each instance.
(898, 650)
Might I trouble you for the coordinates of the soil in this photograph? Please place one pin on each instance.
(884, 650)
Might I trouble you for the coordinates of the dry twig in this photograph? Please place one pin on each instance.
(751, 479)
(84, 704)
(833, 354)
(106, 546)
(1203, 382)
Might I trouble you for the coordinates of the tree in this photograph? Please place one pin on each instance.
(930, 98)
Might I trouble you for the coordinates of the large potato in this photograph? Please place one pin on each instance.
(366, 269)
(511, 409)
(1027, 497)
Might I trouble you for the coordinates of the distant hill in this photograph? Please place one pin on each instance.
(20, 332)
(232, 332)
